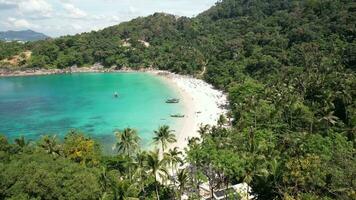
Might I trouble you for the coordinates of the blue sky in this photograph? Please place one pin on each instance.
(62, 17)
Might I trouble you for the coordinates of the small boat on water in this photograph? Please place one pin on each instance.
(177, 115)
(116, 95)
(172, 100)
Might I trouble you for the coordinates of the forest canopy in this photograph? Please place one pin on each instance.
(288, 67)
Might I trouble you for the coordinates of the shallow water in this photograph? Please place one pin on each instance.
(55, 104)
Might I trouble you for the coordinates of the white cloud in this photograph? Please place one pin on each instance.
(74, 12)
(108, 18)
(35, 8)
(55, 17)
(113, 18)
(133, 10)
(6, 4)
(77, 27)
(19, 23)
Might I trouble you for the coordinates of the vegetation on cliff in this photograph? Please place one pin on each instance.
(289, 69)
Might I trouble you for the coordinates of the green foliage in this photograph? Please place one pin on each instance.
(164, 136)
(8, 49)
(38, 62)
(75, 168)
(288, 67)
(128, 141)
(38, 176)
(81, 149)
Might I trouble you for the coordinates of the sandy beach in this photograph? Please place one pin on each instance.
(203, 104)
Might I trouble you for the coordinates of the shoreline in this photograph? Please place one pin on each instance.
(202, 103)
(72, 70)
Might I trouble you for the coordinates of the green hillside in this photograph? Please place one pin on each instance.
(288, 67)
(25, 35)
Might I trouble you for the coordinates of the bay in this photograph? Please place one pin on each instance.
(55, 104)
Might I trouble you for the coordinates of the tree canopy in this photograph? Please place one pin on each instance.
(288, 67)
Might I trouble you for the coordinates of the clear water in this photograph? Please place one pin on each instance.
(54, 104)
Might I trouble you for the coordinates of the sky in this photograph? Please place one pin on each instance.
(67, 17)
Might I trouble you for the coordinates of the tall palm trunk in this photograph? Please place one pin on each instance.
(162, 148)
(181, 191)
(247, 193)
(227, 188)
(130, 178)
(157, 194)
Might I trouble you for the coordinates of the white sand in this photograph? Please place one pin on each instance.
(202, 105)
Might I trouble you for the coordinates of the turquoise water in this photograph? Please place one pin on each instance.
(55, 104)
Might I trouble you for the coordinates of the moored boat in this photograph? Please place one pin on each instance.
(177, 115)
(172, 100)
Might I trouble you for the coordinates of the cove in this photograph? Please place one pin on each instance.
(54, 104)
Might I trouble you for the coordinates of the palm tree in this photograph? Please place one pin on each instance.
(204, 129)
(141, 167)
(229, 116)
(128, 141)
(21, 142)
(222, 121)
(172, 157)
(122, 164)
(248, 179)
(50, 145)
(125, 190)
(193, 142)
(104, 181)
(329, 119)
(182, 179)
(156, 168)
(164, 136)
